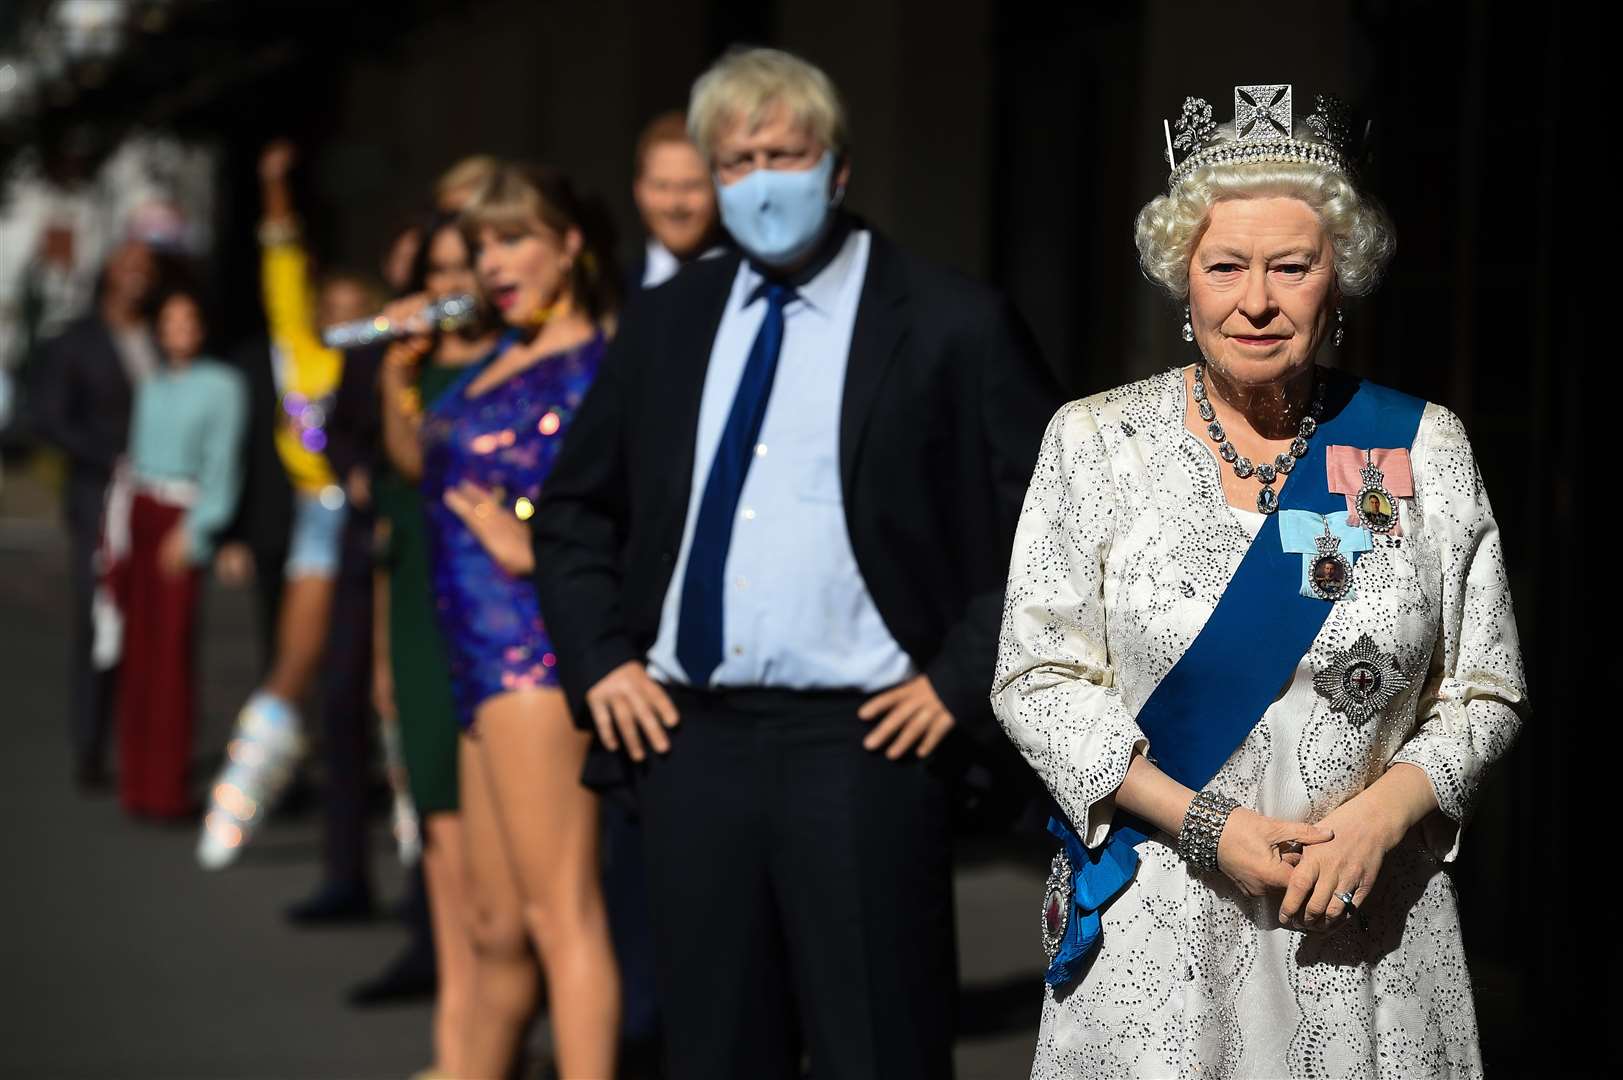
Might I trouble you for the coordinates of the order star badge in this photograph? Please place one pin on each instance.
(1361, 680)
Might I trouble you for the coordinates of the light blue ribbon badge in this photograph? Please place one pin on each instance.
(1299, 534)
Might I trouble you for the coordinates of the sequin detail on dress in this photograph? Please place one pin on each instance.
(505, 440)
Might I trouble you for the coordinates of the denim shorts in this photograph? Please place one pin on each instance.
(318, 529)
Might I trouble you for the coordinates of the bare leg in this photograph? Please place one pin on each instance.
(504, 974)
(444, 869)
(301, 635)
(532, 756)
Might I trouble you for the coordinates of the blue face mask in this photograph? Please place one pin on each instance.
(777, 215)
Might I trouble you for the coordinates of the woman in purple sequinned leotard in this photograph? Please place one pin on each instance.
(501, 441)
(530, 828)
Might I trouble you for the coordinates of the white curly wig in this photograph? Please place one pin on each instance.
(1170, 225)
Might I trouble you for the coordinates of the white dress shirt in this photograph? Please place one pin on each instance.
(796, 613)
(660, 265)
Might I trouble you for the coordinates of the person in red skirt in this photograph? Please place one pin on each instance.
(182, 481)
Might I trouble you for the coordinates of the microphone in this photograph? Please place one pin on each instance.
(446, 314)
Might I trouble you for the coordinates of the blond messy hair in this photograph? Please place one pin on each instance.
(465, 178)
(746, 83)
(1361, 235)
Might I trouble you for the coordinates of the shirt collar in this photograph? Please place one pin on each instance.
(659, 265)
(821, 292)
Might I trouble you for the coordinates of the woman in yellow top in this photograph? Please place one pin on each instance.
(269, 740)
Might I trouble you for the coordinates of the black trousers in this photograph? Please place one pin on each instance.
(346, 711)
(625, 894)
(801, 889)
(90, 692)
(269, 563)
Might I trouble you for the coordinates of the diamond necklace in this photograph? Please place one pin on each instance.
(1266, 474)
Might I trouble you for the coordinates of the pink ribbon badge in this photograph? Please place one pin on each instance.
(1345, 463)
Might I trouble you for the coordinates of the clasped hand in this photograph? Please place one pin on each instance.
(1260, 853)
(1312, 863)
(1348, 863)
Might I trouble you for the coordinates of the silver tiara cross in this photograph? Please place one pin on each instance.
(1264, 129)
(1262, 112)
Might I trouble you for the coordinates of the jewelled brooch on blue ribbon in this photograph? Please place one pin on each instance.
(1328, 546)
(1057, 904)
(1081, 881)
(1329, 575)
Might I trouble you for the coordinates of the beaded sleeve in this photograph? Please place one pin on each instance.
(1054, 691)
(1470, 707)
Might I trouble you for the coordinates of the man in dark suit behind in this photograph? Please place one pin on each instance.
(84, 390)
(677, 203)
(772, 557)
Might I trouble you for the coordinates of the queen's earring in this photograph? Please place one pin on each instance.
(1188, 330)
(1341, 330)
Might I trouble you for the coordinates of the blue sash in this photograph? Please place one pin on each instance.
(1236, 667)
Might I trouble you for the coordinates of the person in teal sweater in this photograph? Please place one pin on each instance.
(183, 480)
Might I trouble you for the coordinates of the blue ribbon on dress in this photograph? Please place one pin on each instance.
(1235, 668)
(1299, 532)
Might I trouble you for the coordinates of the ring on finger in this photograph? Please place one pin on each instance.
(1347, 899)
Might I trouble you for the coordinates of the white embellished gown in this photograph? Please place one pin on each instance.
(1122, 551)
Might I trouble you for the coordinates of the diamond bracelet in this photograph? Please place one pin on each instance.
(1202, 828)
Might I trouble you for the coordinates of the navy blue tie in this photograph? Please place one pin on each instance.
(699, 623)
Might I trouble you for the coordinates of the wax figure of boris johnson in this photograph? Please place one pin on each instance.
(772, 558)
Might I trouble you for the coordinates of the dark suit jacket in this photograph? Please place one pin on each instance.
(81, 402)
(944, 404)
(264, 515)
(355, 428)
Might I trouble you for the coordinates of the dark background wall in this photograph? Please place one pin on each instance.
(1016, 140)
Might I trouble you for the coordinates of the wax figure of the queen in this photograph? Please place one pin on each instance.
(1258, 643)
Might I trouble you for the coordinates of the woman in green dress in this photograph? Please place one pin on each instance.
(413, 675)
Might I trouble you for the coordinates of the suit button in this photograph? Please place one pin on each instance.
(667, 557)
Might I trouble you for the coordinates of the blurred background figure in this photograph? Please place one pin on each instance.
(54, 242)
(269, 737)
(84, 388)
(531, 830)
(413, 681)
(64, 205)
(400, 258)
(676, 200)
(353, 445)
(183, 479)
(344, 892)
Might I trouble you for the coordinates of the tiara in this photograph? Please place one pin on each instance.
(1263, 130)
